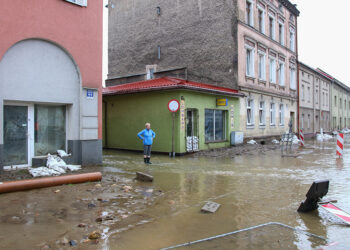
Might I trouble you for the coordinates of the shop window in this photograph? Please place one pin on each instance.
(50, 129)
(215, 125)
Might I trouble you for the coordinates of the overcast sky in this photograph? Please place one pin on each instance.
(324, 37)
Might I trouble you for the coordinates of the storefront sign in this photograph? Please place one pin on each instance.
(221, 102)
(182, 114)
(173, 105)
(232, 116)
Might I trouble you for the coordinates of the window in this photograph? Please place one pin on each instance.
(293, 79)
(272, 70)
(249, 13)
(292, 39)
(281, 74)
(262, 67)
(250, 112)
(308, 95)
(281, 33)
(250, 62)
(272, 114)
(326, 100)
(262, 118)
(335, 101)
(272, 27)
(302, 121)
(308, 120)
(316, 96)
(150, 73)
(340, 106)
(281, 116)
(344, 104)
(261, 21)
(215, 125)
(303, 92)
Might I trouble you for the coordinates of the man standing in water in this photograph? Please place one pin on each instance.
(147, 136)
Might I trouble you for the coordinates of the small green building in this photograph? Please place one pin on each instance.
(205, 118)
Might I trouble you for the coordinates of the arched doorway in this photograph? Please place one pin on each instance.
(39, 101)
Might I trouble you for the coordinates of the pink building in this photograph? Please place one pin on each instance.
(267, 68)
(50, 80)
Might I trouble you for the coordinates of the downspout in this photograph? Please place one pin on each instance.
(298, 88)
(105, 125)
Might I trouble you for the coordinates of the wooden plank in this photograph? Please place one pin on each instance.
(144, 177)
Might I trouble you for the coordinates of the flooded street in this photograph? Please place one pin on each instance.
(252, 188)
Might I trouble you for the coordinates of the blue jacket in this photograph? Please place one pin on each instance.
(147, 136)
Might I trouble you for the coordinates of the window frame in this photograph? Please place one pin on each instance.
(250, 105)
(250, 18)
(272, 33)
(281, 76)
(262, 115)
(263, 67)
(272, 114)
(251, 67)
(214, 128)
(273, 70)
(263, 23)
(292, 39)
(293, 78)
(281, 33)
(281, 115)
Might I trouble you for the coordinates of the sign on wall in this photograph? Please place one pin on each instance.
(173, 105)
(182, 114)
(90, 94)
(221, 102)
(78, 2)
(232, 116)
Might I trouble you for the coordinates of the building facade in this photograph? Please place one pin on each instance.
(267, 68)
(250, 45)
(50, 80)
(314, 101)
(340, 101)
(205, 118)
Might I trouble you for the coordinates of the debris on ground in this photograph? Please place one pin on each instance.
(127, 188)
(144, 177)
(210, 207)
(62, 153)
(345, 131)
(82, 225)
(54, 166)
(98, 185)
(72, 243)
(94, 235)
(323, 137)
(252, 142)
(274, 141)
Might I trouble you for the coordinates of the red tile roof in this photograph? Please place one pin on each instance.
(166, 83)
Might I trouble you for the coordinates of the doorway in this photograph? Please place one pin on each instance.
(192, 140)
(292, 121)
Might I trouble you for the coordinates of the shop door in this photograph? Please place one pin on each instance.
(192, 140)
(15, 135)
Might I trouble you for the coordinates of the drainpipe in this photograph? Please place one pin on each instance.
(298, 88)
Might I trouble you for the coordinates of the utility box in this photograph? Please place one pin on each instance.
(236, 138)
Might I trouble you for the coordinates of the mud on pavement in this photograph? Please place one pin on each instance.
(78, 215)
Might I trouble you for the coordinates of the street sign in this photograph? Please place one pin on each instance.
(89, 94)
(173, 105)
(221, 102)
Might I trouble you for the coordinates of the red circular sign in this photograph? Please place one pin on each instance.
(173, 105)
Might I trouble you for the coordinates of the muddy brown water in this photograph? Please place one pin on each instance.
(252, 189)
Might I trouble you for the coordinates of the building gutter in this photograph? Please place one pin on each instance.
(298, 76)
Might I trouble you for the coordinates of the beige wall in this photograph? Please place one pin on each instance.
(314, 100)
(259, 42)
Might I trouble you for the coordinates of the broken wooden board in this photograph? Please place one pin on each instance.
(144, 177)
(210, 207)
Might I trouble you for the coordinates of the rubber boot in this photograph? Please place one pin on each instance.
(149, 161)
(145, 160)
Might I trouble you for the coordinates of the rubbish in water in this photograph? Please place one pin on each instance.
(331, 208)
(72, 243)
(210, 207)
(13, 186)
(144, 177)
(98, 185)
(82, 225)
(94, 235)
(91, 205)
(252, 142)
(317, 190)
(62, 153)
(127, 188)
(57, 191)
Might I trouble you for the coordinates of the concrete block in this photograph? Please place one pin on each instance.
(144, 177)
(210, 207)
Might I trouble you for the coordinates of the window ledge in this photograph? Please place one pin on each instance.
(272, 125)
(207, 142)
(250, 126)
(293, 89)
(262, 81)
(262, 126)
(250, 77)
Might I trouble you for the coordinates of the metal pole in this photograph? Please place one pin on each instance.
(173, 137)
